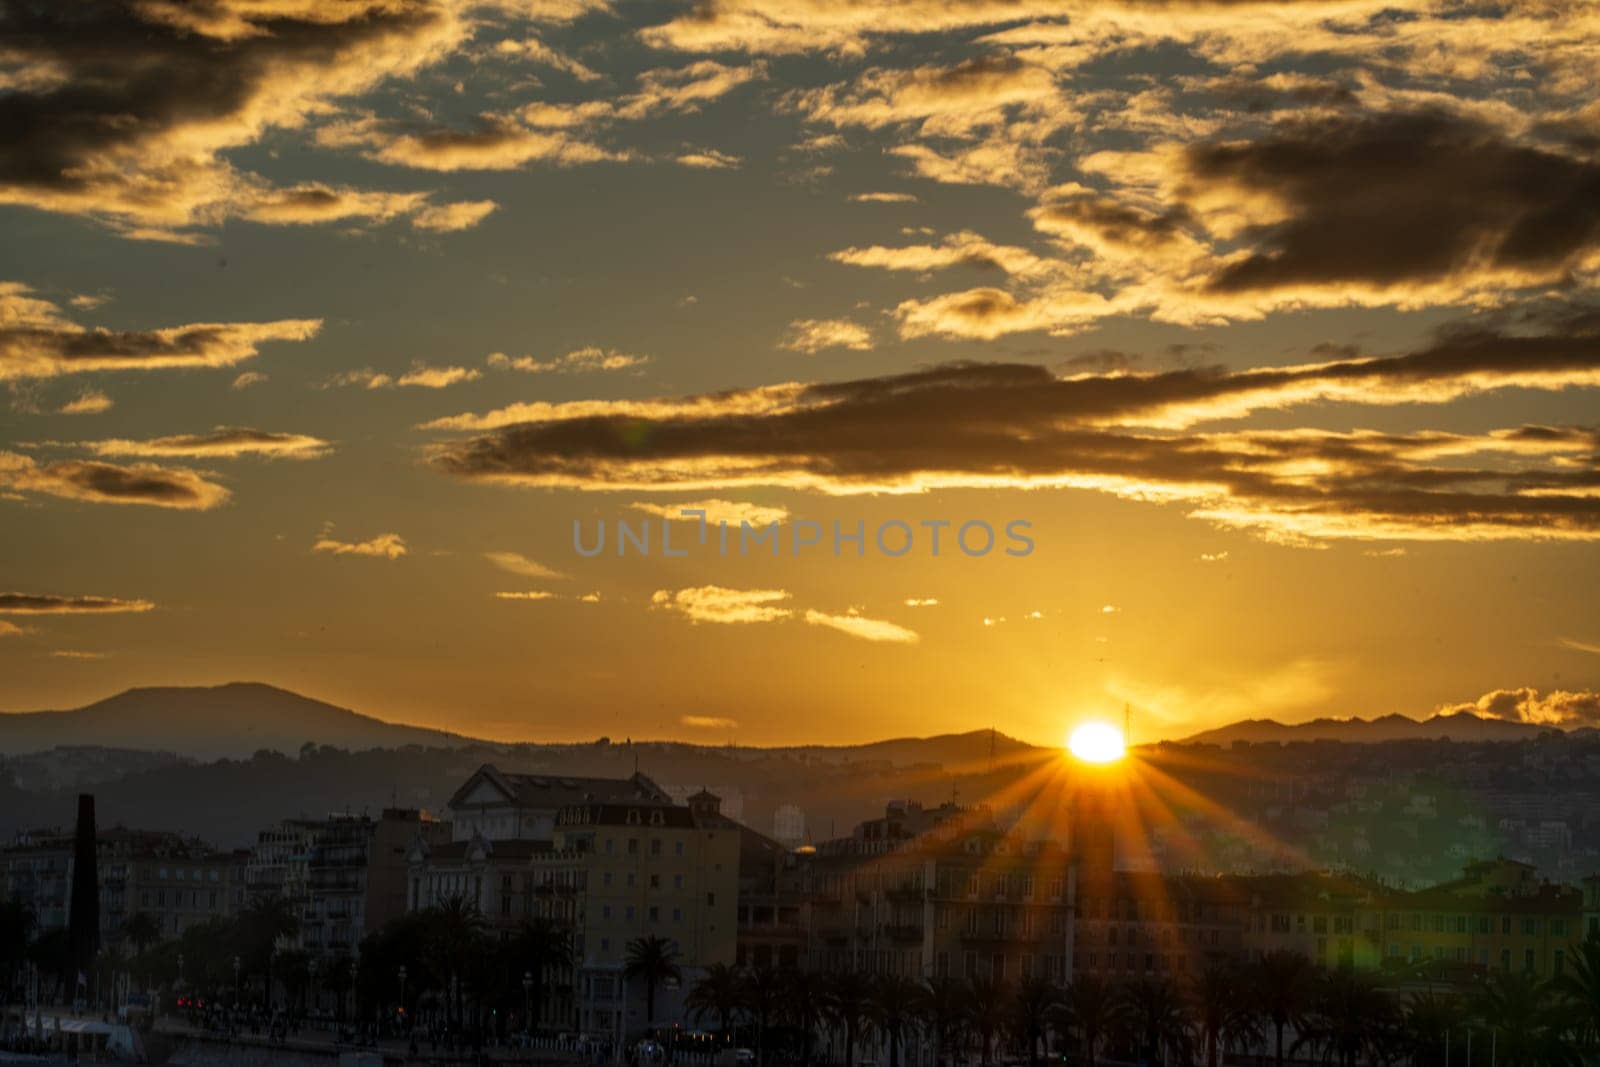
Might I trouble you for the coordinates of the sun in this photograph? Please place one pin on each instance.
(1097, 742)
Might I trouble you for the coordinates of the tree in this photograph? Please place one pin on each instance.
(1425, 1022)
(141, 930)
(1350, 1019)
(539, 945)
(990, 1008)
(944, 1006)
(892, 1010)
(804, 1005)
(1284, 984)
(1091, 1009)
(16, 932)
(654, 959)
(1157, 1020)
(848, 993)
(1221, 1016)
(266, 919)
(454, 939)
(1582, 985)
(338, 978)
(715, 993)
(1032, 1009)
(294, 971)
(761, 989)
(1528, 1023)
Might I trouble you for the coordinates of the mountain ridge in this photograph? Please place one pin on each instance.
(1462, 726)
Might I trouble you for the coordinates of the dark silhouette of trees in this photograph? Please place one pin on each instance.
(848, 995)
(1284, 983)
(716, 993)
(654, 960)
(1223, 1019)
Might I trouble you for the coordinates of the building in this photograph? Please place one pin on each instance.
(617, 861)
(177, 881)
(522, 807)
(356, 875)
(938, 893)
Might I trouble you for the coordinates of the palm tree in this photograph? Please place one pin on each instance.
(141, 930)
(1284, 984)
(892, 1009)
(338, 978)
(991, 1007)
(1222, 1017)
(294, 970)
(716, 993)
(1092, 1009)
(1582, 985)
(848, 993)
(1528, 1023)
(267, 919)
(454, 937)
(804, 1006)
(654, 959)
(1157, 1020)
(1032, 1010)
(1425, 1024)
(1350, 1020)
(539, 944)
(944, 1005)
(16, 931)
(761, 990)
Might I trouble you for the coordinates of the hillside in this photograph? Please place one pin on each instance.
(219, 722)
(1463, 727)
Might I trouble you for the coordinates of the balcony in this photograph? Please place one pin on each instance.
(903, 931)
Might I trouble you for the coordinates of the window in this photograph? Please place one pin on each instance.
(1558, 928)
(1528, 961)
(655, 846)
(633, 846)
(677, 915)
(630, 911)
(655, 881)
(677, 848)
(677, 881)
(711, 900)
(1530, 927)
(655, 914)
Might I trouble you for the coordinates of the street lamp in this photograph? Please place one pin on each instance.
(402, 993)
(180, 970)
(527, 1002)
(316, 1000)
(237, 996)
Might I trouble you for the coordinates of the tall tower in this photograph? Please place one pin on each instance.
(83, 916)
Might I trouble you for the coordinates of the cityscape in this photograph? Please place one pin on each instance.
(800, 533)
(569, 918)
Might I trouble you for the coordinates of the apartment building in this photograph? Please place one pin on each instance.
(177, 881)
(613, 860)
(356, 875)
(935, 893)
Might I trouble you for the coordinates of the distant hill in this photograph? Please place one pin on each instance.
(1461, 727)
(219, 722)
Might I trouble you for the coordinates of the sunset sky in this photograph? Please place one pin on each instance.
(321, 324)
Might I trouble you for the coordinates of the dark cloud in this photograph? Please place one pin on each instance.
(110, 483)
(44, 604)
(36, 341)
(1019, 425)
(121, 109)
(1399, 200)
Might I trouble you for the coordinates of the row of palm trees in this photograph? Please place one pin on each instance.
(1282, 1006)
